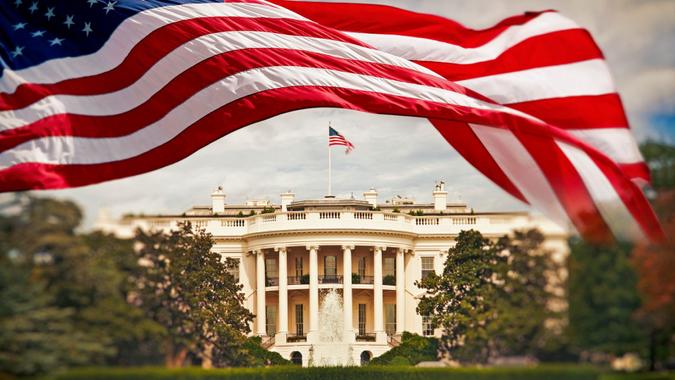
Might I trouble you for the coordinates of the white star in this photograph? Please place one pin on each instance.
(87, 28)
(110, 6)
(69, 21)
(38, 33)
(92, 2)
(55, 41)
(50, 13)
(33, 7)
(17, 52)
(20, 25)
(17, 3)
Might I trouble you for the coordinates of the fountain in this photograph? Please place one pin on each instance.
(331, 350)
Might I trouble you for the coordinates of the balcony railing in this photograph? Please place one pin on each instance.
(357, 279)
(330, 279)
(298, 280)
(367, 337)
(294, 338)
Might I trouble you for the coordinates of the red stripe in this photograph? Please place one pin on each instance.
(568, 186)
(190, 82)
(382, 19)
(571, 46)
(465, 141)
(578, 112)
(155, 46)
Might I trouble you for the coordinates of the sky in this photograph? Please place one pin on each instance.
(399, 155)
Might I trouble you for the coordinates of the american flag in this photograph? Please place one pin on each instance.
(336, 139)
(95, 90)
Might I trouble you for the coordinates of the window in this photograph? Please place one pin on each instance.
(233, 268)
(271, 320)
(271, 270)
(390, 318)
(427, 266)
(296, 358)
(427, 326)
(330, 266)
(299, 320)
(362, 267)
(389, 267)
(362, 319)
(298, 267)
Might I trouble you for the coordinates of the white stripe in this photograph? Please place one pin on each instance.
(424, 49)
(181, 59)
(81, 150)
(519, 166)
(590, 77)
(617, 143)
(610, 205)
(130, 32)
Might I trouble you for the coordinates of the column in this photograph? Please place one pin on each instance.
(260, 292)
(283, 296)
(350, 336)
(400, 289)
(378, 315)
(312, 335)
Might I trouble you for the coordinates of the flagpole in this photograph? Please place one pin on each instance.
(329, 164)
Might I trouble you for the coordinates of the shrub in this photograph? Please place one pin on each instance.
(356, 278)
(389, 280)
(304, 279)
(414, 348)
(335, 373)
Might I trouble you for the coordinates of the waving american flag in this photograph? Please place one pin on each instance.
(96, 90)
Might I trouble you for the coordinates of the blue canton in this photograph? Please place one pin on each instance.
(34, 31)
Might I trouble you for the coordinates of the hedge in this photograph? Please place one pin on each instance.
(367, 373)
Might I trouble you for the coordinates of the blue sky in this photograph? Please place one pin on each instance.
(397, 155)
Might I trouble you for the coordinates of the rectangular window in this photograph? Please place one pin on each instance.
(389, 266)
(330, 266)
(362, 267)
(427, 326)
(233, 268)
(298, 267)
(271, 320)
(271, 270)
(390, 318)
(427, 266)
(299, 321)
(362, 319)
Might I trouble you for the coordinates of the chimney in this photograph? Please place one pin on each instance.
(218, 201)
(371, 197)
(286, 199)
(440, 197)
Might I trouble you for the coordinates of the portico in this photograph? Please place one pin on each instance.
(376, 272)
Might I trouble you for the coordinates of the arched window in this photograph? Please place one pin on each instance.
(365, 357)
(296, 358)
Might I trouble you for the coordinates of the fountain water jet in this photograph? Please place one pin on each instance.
(331, 349)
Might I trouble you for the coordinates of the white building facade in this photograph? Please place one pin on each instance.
(290, 255)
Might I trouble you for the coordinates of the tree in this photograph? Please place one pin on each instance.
(661, 160)
(654, 264)
(525, 296)
(603, 299)
(412, 350)
(186, 288)
(460, 300)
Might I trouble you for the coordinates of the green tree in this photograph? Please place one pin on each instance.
(187, 288)
(528, 280)
(661, 160)
(459, 300)
(603, 299)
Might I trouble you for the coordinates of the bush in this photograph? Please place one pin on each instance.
(297, 373)
(356, 278)
(389, 280)
(413, 348)
(260, 356)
